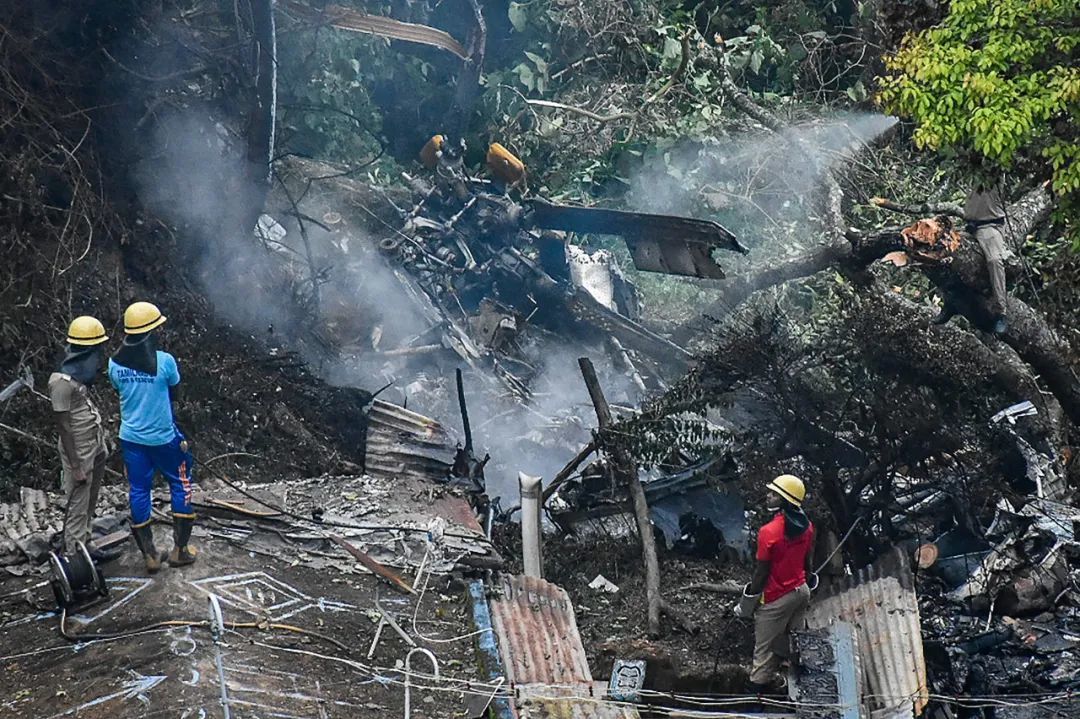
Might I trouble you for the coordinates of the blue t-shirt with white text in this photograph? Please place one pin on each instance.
(145, 410)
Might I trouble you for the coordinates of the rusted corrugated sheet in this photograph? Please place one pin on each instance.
(880, 602)
(401, 442)
(582, 708)
(538, 634)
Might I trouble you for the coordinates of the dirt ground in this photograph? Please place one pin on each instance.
(613, 625)
(318, 668)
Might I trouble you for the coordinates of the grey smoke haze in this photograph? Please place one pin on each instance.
(753, 183)
(194, 158)
(195, 173)
(187, 181)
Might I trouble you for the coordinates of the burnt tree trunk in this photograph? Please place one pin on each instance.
(625, 467)
(964, 280)
(468, 80)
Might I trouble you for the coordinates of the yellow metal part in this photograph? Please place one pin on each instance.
(504, 165)
(429, 154)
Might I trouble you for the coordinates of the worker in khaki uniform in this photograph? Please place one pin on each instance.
(984, 215)
(778, 595)
(82, 445)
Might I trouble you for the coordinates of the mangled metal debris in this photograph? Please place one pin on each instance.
(658, 243)
(1027, 570)
(30, 526)
(490, 272)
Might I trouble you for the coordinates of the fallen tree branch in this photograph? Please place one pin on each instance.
(347, 19)
(679, 618)
(581, 111)
(728, 587)
(625, 466)
(566, 472)
(924, 209)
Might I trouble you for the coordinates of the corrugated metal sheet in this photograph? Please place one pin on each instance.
(401, 442)
(582, 708)
(538, 634)
(880, 602)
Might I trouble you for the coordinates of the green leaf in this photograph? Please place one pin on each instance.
(519, 16)
(857, 92)
(756, 58)
(540, 63)
(526, 76)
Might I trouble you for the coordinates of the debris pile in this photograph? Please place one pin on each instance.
(492, 271)
(31, 527)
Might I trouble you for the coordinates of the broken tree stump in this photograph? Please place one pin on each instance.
(625, 465)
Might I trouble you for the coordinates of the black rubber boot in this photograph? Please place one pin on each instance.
(144, 540)
(182, 553)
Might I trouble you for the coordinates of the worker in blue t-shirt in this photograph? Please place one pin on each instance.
(146, 379)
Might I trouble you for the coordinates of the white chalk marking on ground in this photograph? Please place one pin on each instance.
(274, 595)
(117, 583)
(135, 688)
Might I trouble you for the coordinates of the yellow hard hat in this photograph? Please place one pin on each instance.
(87, 331)
(141, 317)
(789, 487)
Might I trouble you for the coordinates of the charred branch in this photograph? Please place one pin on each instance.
(628, 472)
(922, 209)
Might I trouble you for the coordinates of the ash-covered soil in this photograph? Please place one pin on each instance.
(613, 625)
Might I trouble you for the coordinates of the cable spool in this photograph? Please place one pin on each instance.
(75, 579)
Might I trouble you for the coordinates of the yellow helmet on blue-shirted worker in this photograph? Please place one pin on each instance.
(141, 317)
(86, 331)
(789, 487)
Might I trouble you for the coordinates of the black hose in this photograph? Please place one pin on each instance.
(189, 623)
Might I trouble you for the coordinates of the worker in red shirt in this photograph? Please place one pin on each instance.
(778, 595)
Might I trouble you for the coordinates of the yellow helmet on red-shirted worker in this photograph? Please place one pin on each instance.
(86, 331)
(789, 487)
(141, 317)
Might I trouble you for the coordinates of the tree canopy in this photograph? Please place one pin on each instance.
(998, 77)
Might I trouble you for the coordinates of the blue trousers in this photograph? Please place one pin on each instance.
(140, 463)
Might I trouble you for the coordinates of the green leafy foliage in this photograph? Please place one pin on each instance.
(1000, 78)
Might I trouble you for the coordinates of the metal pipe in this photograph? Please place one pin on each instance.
(531, 544)
(408, 675)
(217, 631)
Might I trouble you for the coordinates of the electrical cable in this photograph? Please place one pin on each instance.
(839, 545)
(416, 613)
(168, 623)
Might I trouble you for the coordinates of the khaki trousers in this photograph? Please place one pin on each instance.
(81, 500)
(992, 242)
(773, 623)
